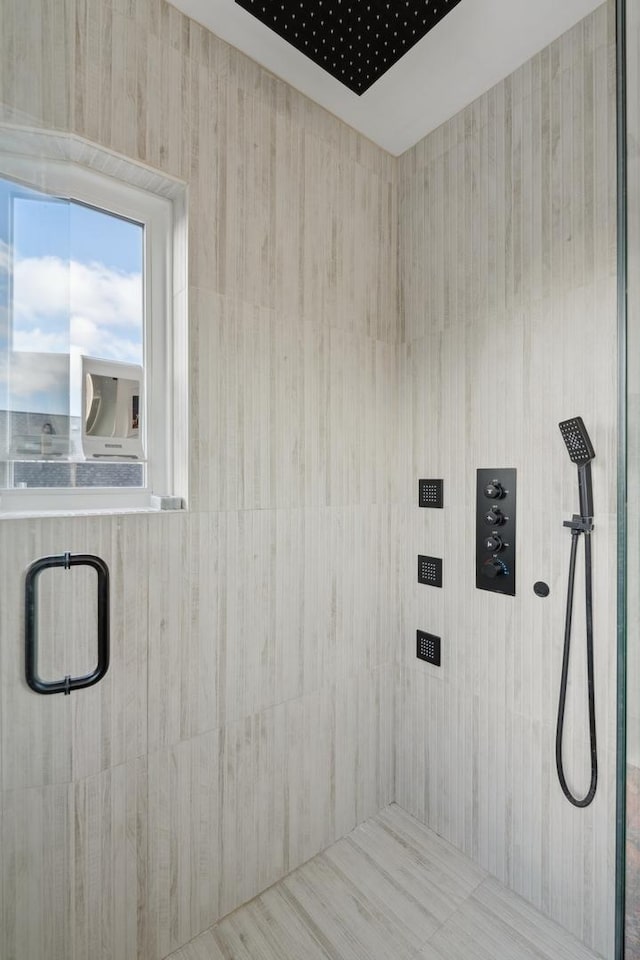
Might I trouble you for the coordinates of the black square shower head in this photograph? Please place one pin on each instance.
(356, 41)
(579, 446)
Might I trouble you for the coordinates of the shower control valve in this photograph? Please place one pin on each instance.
(496, 530)
(494, 543)
(494, 490)
(493, 569)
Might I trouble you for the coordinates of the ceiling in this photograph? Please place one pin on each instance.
(356, 41)
(476, 44)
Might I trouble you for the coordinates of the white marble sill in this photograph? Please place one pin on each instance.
(107, 512)
(155, 506)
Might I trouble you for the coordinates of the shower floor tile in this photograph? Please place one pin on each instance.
(632, 892)
(391, 890)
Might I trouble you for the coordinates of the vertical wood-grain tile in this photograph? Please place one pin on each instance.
(170, 664)
(37, 873)
(110, 872)
(56, 739)
(184, 864)
(517, 190)
(36, 731)
(110, 719)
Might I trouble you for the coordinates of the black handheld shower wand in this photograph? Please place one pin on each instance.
(582, 453)
(580, 449)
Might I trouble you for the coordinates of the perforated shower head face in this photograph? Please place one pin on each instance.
(574, 433)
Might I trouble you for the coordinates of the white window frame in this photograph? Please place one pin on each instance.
(164, 340)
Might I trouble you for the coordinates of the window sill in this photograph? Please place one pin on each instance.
(12, 508)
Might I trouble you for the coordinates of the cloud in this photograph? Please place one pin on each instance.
(37, 381)
(61, 310)
(93, 339)
(88, 306)
(41, 341)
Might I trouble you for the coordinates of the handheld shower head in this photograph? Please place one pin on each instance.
(580, 449)
(581, 452)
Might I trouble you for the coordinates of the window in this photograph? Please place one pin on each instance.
(87, 344)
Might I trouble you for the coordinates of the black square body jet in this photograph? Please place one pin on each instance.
(356, 42)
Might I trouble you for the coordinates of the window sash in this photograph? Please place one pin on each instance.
(71, 181)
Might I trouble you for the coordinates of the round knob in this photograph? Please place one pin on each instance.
(494, 490)
(494, 543)
(495, 517)
(492, 569)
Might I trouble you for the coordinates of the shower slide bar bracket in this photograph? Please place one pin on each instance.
(67, 683)
(579, 524)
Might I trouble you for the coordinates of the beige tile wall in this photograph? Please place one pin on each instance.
(249, 715)
(507, 264)
(247, 719)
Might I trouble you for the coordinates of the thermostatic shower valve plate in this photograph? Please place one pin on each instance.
(496, 530)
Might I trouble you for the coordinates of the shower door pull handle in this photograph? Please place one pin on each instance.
(68, 683)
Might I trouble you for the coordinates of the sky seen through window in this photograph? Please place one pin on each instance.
(70, 284)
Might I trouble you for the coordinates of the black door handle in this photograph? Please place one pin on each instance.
(68, 683)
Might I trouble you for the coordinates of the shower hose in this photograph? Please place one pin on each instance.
(576, 530)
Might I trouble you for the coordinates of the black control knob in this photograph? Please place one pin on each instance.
(494, 543)
(492, 569)
(494, 490)
(495, 517)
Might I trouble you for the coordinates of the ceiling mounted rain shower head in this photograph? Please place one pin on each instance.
(356, 41)
(579, 446)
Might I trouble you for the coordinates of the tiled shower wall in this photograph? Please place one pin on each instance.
(508, 315)
(247, 719)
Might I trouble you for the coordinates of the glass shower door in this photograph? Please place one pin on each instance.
(629, 211)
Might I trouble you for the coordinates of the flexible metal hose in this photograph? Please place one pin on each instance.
(565, 671)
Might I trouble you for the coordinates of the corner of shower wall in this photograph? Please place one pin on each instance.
(508, 312)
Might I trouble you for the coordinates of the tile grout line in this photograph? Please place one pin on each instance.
(449, 918)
